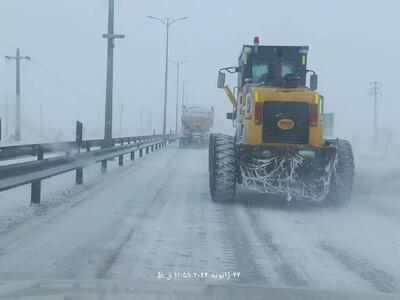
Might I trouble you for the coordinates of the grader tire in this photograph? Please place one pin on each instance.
(210, 151)
(222, 168)
(341, 186)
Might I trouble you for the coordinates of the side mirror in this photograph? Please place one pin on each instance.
(229, 116)
(221, 80)
(313, 82)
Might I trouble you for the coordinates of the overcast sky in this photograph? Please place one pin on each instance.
(351, 43)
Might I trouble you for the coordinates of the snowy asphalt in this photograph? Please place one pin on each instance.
(156, 216)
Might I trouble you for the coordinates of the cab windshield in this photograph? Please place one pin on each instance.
(273, 71)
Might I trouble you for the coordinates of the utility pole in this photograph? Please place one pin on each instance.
(376, 91)
(121, 111)
(98, 123)
(178, 63)
(110, 36)
(186, 98)
(149, 119)
(18, 59)
(183, 93)
(6, 125)
(141, 119)
(167, 23)
(41, 120)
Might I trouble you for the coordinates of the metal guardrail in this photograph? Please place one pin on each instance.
(33, 172)
(19, 151)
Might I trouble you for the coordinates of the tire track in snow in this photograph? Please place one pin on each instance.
(187, 235)
(154, 206)
(237, 242)
(287, 272)
(356, 263)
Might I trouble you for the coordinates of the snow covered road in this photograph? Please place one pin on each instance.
(156, 215)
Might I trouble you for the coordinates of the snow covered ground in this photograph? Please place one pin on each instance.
(155, 215)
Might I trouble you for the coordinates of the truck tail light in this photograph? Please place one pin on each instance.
(258, 112)
(314, 114)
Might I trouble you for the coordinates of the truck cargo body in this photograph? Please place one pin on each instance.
(197, 123)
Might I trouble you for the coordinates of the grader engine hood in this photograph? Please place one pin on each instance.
(277, 116)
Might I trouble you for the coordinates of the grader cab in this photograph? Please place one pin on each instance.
(278, 147)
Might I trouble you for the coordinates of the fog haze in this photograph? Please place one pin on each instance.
(351, 44)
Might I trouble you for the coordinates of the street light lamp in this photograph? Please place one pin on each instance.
(178, 63)
(167, 22)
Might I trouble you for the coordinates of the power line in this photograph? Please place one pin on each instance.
(64, 83)
(8, 47)
(47, 79)
(391, 97)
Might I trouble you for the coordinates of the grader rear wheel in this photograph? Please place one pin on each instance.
(222, 167)
(341, 186)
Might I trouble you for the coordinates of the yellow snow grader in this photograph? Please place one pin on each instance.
(278, 147)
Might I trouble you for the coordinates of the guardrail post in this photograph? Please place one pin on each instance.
(79, 171)
(147, 149)
(133, 155)
(121, 157)
(79, 176)
(152, 148)
(104, 166)
(141, 152)
(103, 162)
(36, 186)
(87, 145)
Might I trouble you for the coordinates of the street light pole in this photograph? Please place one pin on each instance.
(110, 36)
(167, 22)
(184, 92)
(178, 63)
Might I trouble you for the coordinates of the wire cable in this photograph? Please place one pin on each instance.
(63, 82)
